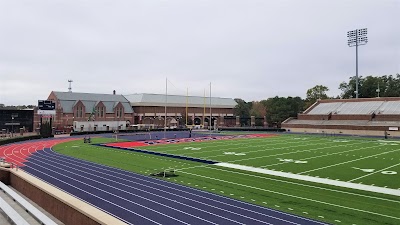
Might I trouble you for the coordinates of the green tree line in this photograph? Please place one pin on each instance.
(278, 109)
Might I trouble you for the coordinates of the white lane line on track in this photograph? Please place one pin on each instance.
(124, 192)
(101, 199)
(122, 184)
(36, 148)
(135, 203)
(112, 170)
(158, 190)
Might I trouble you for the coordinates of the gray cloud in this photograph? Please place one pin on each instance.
(247, 49)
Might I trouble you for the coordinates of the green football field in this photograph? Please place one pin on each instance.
(367, 161)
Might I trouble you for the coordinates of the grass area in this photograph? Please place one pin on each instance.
(342, 159)
(335, 158)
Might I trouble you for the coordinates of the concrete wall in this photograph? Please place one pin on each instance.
(4, 176)
(66, 208)
(54, 206)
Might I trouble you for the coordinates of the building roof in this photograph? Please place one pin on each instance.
(343, 123)
(389, 106)
(179, 101)
(90, 100)
(89, 97)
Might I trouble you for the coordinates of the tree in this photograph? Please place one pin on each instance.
(317, 92)
(46, 129)
(242, 109)
(281, 108)
(258, 109)
(389, 86)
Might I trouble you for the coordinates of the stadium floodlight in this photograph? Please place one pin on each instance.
(357, 37)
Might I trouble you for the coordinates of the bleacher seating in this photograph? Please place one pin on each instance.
(41, 217)
(11, 214)
(356, 108)
(378, 114)
(345, 122)
(392, 107)
(325, 108)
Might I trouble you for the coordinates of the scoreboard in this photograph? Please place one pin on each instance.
(46, 105)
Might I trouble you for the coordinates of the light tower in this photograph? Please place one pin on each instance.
(70, 88)
(357, 37)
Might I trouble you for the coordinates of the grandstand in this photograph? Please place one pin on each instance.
(373, 116)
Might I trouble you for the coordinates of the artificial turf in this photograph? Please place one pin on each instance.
(322, 202)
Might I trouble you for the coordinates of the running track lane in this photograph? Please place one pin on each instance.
(19, 152)
(144, 200)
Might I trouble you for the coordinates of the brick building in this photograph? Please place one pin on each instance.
(150, 109)
(73, 106)
(138, 109)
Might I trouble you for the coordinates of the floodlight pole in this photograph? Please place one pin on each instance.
(355, 39)
(165, 106)
(12, 126)
(210, 111)
(357, 64)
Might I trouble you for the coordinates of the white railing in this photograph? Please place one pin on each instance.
(11, 214)
(41, 217)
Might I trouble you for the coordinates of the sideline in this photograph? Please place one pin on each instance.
(362, 187)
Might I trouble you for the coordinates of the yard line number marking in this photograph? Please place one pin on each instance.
(291, 160)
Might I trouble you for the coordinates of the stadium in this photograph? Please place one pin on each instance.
(370, 117)
(200, 112)
(337, 162)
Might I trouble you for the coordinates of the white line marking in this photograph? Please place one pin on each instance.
(374, 172)
(158, 190)
(110, 169)
(294, 196)
(312, 179)
(349, 161)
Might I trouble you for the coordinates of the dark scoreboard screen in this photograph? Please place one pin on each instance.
(46, 105)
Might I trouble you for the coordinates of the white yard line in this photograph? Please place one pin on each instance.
(369, 174)
(363, 187)
(294, 196)
(319, 156)
(303, 185)
(337, 164)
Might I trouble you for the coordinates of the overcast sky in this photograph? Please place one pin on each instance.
(249, 49)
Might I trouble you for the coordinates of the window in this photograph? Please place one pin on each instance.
(100, 112)
(119, 112)
(79, 111)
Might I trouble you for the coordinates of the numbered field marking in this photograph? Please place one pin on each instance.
(389, 172)
(341, 141)
(191, 148)
(354, 160)
(364, 170)
(292, 160)
(234, 153)
(382, 171)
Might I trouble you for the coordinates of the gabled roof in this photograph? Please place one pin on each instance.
(89, 96)
(179, 101)
(89, 100)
